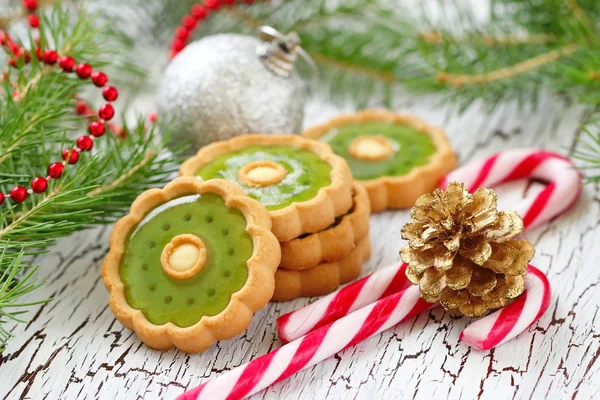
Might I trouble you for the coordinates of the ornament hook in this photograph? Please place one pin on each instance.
(279, 52)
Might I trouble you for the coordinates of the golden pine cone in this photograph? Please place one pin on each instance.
(462, 252)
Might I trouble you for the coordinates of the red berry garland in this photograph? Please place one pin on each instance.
(84, 71)
(96, 128)
(198, 13)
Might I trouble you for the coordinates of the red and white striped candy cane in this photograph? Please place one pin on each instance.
(563, 189)
(334, 306)
(318, 345)
(506, 323)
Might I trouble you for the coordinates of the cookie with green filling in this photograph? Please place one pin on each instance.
(397, 158)
(190, 264)
(302, 183)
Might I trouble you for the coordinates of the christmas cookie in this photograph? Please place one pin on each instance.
(190, 264)
(302, 183)
(396, 157)
(322, 279)
(333, 243)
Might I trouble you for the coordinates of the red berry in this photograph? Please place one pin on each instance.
(110, 93)
(38, 54)
(34, 21)
(97, 128)
(85, 143)
(30, 5)
(18, 194)
(16, 50)
(81, 108)
(84, 70)
(39, 185)
(67, 63)
(182, 33)
(71, 154)
(99, 78)
(198, 11)
(55, 170)
(1, 198)
(212, 4)
(152, 117)
(2, 38)
(27, 58)
(189, 22)
(106, 112)
(177, 44)
(50, 57)
(12, 62)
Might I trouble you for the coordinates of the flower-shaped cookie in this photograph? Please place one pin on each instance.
(396, 157)
(302, 183)
(190, 264)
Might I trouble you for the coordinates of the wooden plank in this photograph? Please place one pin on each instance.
(74, 349)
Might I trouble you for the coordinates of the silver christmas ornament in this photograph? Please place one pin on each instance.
(227, 85)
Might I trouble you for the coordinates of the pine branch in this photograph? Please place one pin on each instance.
(37, 121)
(587, 149)
(531, 64)
(13, 288)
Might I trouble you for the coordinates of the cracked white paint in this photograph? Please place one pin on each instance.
(74, 349)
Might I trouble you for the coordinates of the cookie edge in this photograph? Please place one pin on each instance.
(344, 271)
(308, 252)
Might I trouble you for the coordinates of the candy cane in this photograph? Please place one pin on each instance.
(562, 191)
(318, 345)
(368, 321)
(355, 296)
(506, 323)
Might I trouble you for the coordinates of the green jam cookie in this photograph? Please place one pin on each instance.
(184, 302)
(303, 174)
(407, 148)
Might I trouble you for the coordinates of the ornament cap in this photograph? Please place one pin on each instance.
(280, 51)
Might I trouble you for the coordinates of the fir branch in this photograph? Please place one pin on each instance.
(36, 124)
(16, 281)
(148, 157)
(530, 64)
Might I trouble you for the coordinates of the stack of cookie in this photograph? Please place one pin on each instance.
(319, 216)
(316, 264)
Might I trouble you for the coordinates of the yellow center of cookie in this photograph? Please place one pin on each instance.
(184, 256)
(371, 148)
(262, 173)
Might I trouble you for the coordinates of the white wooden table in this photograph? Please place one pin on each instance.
(73, 348)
